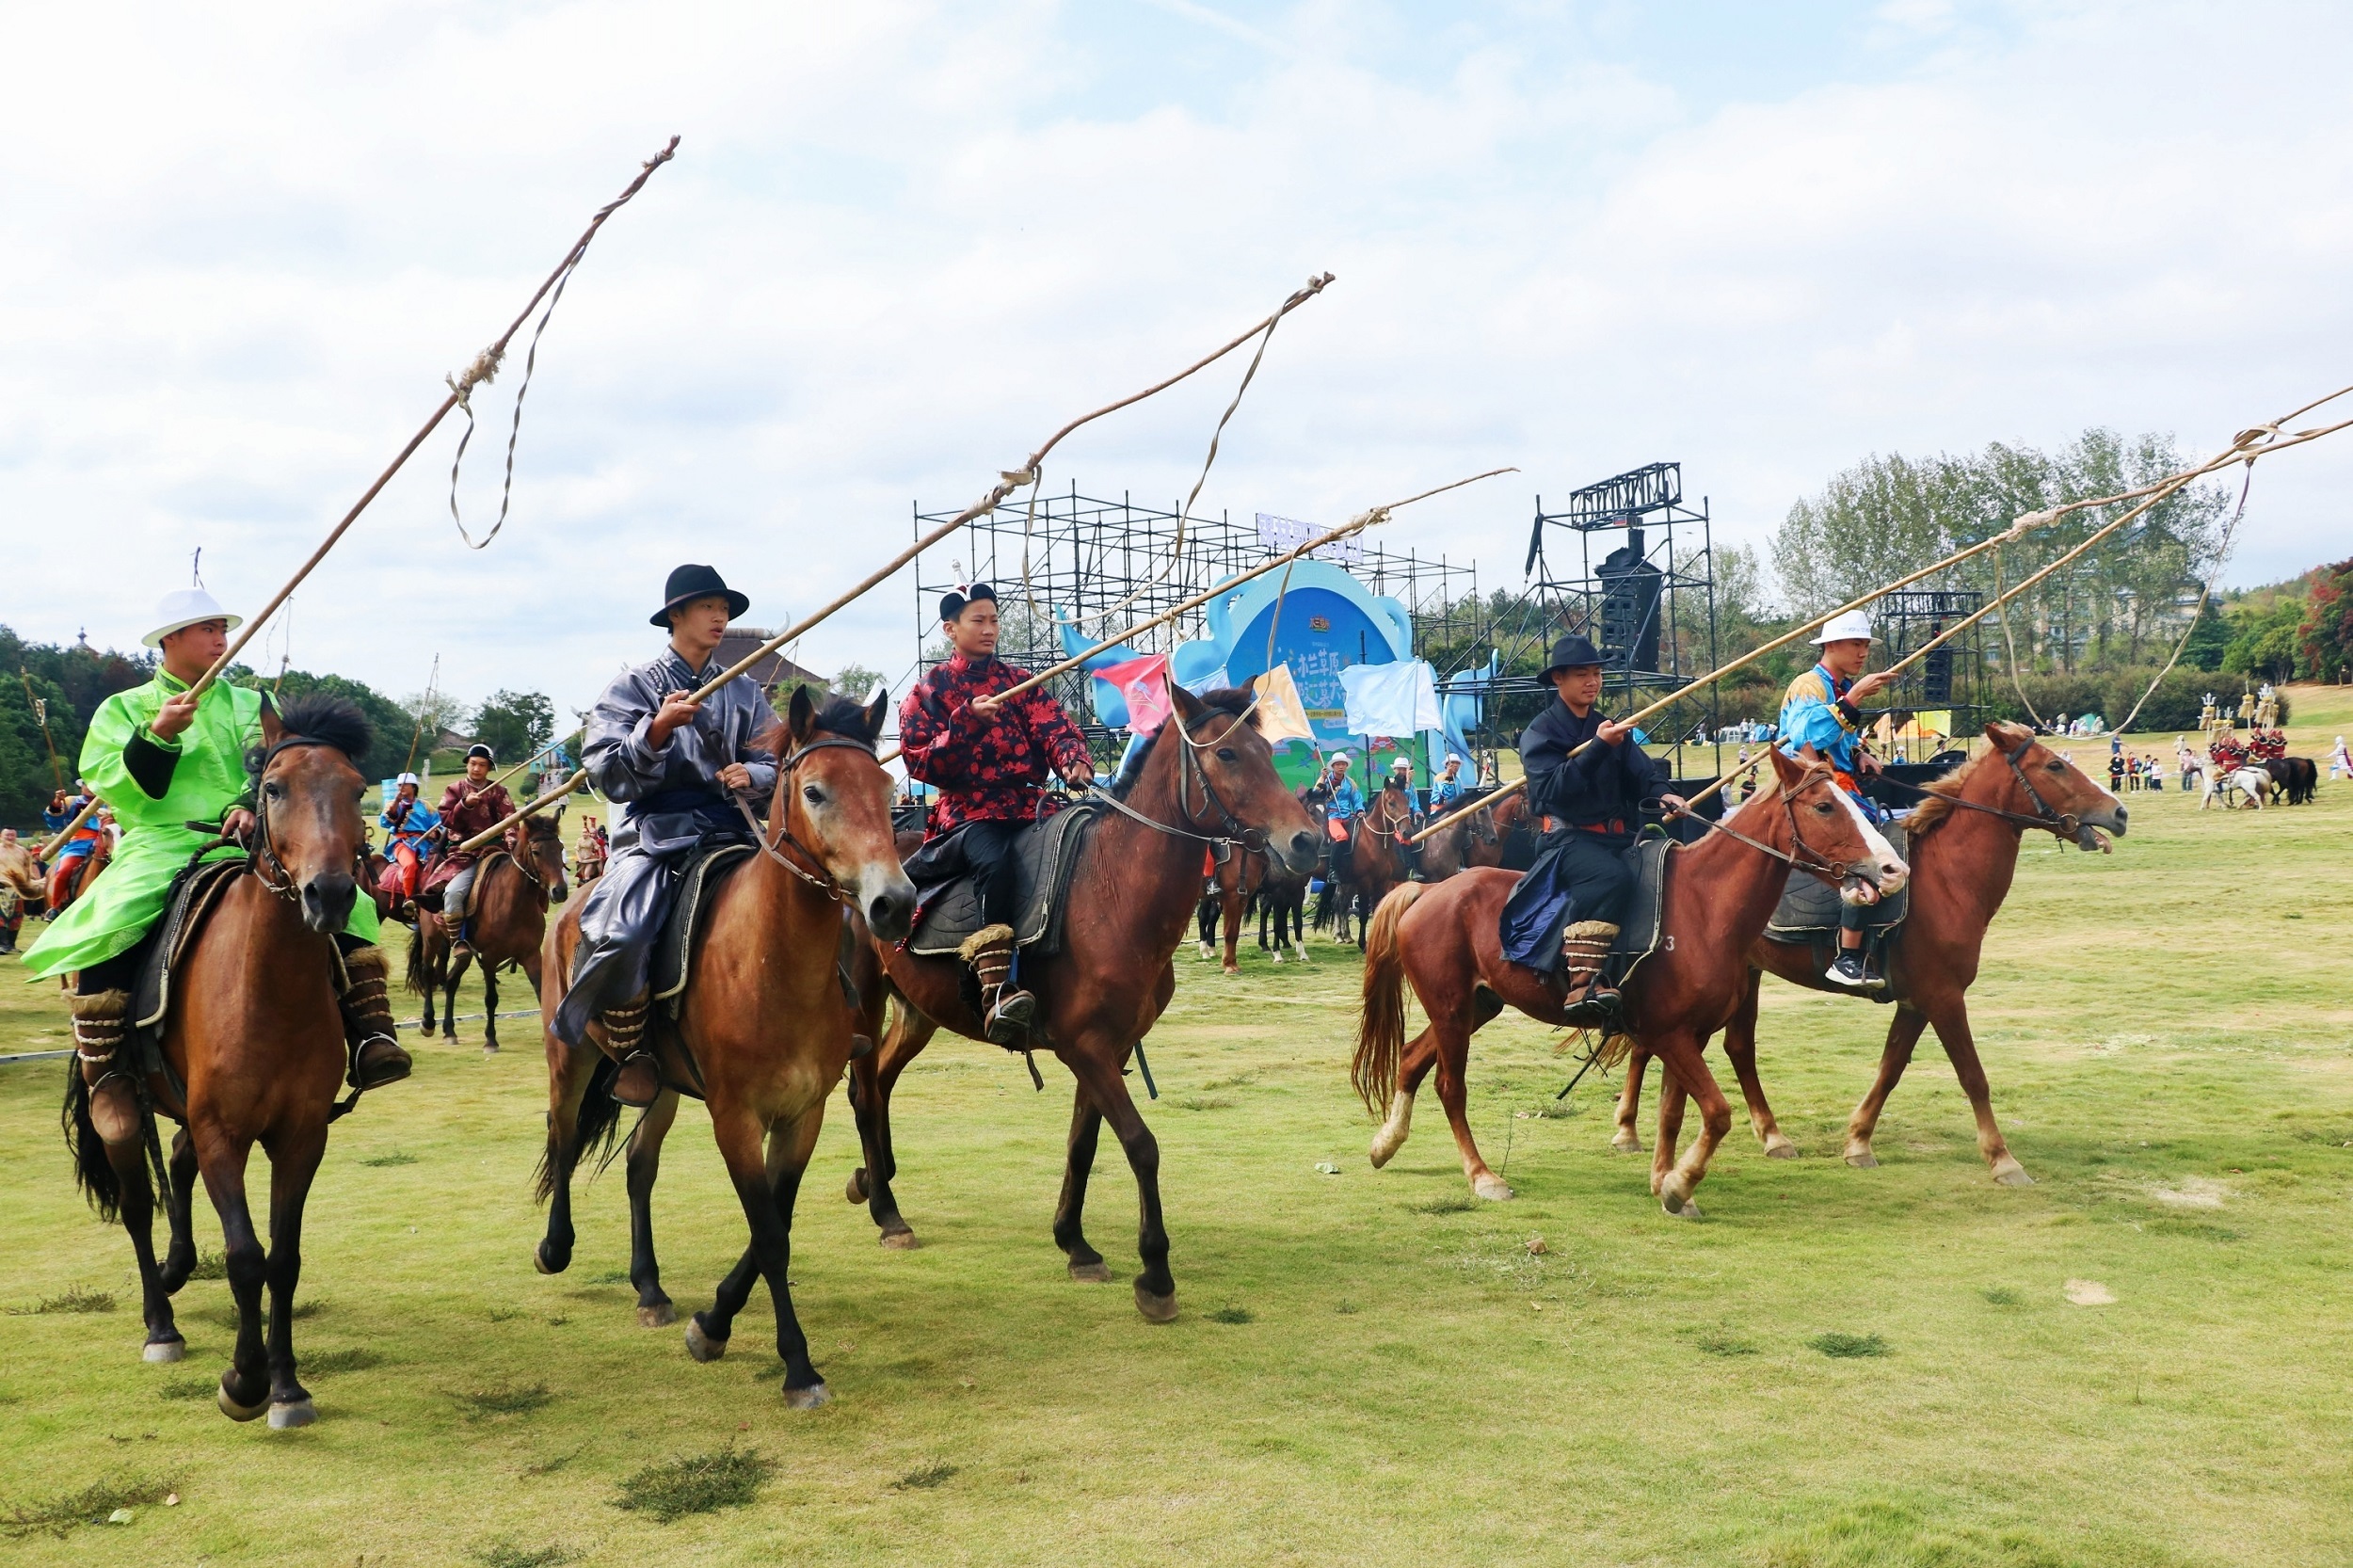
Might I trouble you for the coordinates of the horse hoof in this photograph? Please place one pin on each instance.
(700, 1345)
(1492, 1188)
(1688, 1211)
(237, 1412)
(659, 1316)
(1625, 1145)
(1232, 972)
(1784, 1150)
(1207, 952)
(489, 1050)
(293, 1413)
(856, 1191)
(2012, 1174)
(898, 1240)
(1155, 1309)
(1866, 1160)
(173, 1349)
(1098, 1273)
(539, 1261)
(806, 1398)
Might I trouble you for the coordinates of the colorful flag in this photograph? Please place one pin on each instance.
(1281, 715)
(1143, 682)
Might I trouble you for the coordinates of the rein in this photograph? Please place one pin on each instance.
(1814, 861)
(1190, 770)
(2063, 825)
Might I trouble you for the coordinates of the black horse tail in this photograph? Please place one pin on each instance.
(595, 1132)
(417, 980)
(93, 1172)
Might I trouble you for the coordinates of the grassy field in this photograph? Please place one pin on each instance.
(1835, 1367)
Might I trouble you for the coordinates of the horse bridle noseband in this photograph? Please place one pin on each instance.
(819, 879)
(2062, 824)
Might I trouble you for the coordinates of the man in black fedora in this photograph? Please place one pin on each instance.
(1563, 916)
(669, 762)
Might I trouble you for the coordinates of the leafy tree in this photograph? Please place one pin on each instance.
(856, 682)
(515, 724)
(2208, 637)
(2324, 635)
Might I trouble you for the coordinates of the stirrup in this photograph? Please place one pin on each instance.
(1600, 1007)
(1009, 1018)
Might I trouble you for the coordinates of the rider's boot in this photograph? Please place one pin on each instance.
(369, 1033)
(101, 1019)
(1585, 950)
(640, 1080)
(1005, 1008)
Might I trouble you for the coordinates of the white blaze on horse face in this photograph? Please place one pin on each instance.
(1893, 873)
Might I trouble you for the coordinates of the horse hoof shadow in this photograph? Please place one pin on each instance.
(816, 1394)
(661, 1315)
(173, 1349)
(898, 1240)
(230, 1408)
(1155, 1309)
(700, 1345)
(1098, 1273)
(293, 1413)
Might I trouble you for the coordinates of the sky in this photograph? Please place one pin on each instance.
(241, 247)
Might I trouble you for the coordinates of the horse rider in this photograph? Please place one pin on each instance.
(1401, 776)
(67, 863)
(60, 809)
(167, 760)
(588, 855)
(1823, 708)
(409, 827)
(1564, 914)
(988, 756)
(1342, 803)
(2340, 761)
(470, 805)
(1447, 788)
(671, 762)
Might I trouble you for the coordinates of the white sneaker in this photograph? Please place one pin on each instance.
(1848, 971)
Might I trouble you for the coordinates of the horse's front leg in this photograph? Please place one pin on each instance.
(1096, 1063)
(1232, 904)
(1086, 1123)
(293, 1164)
(644, 1165)
(767, 1188)
(244, 1386)
(1627, 1137)
(489, 1007)
(1903, 1033)
(874, 1079)
(1952, 1030)
(1741, 1050)
(1679, 1051)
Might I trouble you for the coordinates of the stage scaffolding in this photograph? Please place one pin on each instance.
(1108, 564)
(1950, 679)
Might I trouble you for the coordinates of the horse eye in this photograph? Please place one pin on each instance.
(2056, 766)
(275, 791)
(1226, 754)
(812, 795)
(1821, 807)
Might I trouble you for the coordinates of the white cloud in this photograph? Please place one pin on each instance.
(903, 242)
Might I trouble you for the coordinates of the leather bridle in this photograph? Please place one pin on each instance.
(1190, 772)
(262, 851)
(814, 873)
(2063, 825)
(1802, 855)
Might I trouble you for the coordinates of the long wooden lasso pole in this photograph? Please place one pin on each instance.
(1007, 482)
(1356, 524)
(67, 832)
(2247, 446)
(485, 366)
(41, 713)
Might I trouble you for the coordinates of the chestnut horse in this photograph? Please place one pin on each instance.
(1231, 885)
(763, 1031)
(1209, 777)
(512, 889)
(23, 891)
(1963, 853)
(256, 1037)
(1446, 938)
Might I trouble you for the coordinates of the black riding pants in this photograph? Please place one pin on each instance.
(988, 850)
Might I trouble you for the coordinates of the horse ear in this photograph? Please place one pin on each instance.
(877, 711)
(1188, 706)
(2007, 738)
(272, 731)
(800, 715)
(1789, 767)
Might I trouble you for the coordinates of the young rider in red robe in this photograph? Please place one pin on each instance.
(988, 756)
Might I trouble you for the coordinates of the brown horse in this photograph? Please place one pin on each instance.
(1491, 840)
(256, 1037)
(1231, 884)
(1475, 840)
(1208, 776)
(1377, 853)
(70, 879)
(21, 889)
(1447, 940)
(512, 889)
(1963, 853)
(763, 1031)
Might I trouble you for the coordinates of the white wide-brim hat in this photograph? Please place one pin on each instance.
(1846, 627)
(182, 608)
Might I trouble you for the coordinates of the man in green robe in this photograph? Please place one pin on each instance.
(161, 762)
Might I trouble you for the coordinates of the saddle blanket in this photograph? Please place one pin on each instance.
(707, 871)
(193, 893)
(1638, 928)
(1046, 854)
(1809, 906)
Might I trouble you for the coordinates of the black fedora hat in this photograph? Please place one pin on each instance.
(690, 583)
(1571, 652)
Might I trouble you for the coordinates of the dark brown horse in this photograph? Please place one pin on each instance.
(764, 1027)
(512, 889)
(1963, 853)
(1229, 888)
(257, 1038)
(1499, 829)
(1377, 853)
(1446, 938)
(1208, 776)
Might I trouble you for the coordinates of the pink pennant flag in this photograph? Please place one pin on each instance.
(1143, 682)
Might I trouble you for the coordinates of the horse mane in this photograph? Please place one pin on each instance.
(1234, 701)
(334, 720)
(841, 715)
(1939, 806)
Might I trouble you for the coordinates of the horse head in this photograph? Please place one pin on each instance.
(1226, 760)
(1832, 838)
(540, 851)
(2045, 784)
(308, 834)
(834, 799)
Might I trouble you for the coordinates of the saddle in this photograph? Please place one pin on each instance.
(1046, 856)
(707, 871)
(1809, 906)
(192, 895)
(1640, 928)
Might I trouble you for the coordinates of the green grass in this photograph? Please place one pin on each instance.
(59, 1515)
(2171, 1058)
(73, 1299)
(705, 1483)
